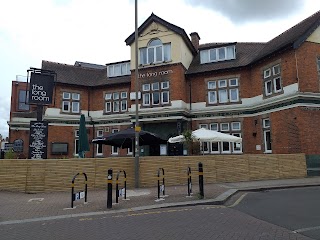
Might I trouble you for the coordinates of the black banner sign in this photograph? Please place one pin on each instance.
(41, 89)
(38, 140)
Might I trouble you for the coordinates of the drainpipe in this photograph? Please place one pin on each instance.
(190, 104)
(297, 70)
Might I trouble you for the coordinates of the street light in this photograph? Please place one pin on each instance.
(137, 127)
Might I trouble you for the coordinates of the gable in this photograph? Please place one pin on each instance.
(315, 36)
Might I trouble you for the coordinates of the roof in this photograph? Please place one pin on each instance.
(248, 53)
(174, 28)
(245, 53)
(293, 37)
(83, 76)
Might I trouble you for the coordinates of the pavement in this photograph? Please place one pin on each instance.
(16, 207)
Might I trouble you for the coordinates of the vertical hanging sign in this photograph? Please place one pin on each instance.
(38, 140)
(41, 88)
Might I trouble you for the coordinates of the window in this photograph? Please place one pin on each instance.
(119, 69)
(114, 149)
(23, 100)
(155, 52)
(71, 102)
(217, 54)
(156, 94)
(116, 102)
(76, 143)
(267, 135)
(272, 80)
(223, 91)
(99, 151)
(318, 64)
(232, 128)
(59, 148)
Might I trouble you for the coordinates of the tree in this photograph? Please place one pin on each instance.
(191, 143)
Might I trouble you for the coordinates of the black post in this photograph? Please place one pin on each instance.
(86, 188)
(117, 188)
(189, 181)
(109, 195)
(163, 190)
(200, 165)
(159, 183)
(125, 184)
(39, 112)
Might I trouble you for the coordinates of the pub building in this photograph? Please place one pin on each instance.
(268, 93)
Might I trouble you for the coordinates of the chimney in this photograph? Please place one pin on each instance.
(195, 39)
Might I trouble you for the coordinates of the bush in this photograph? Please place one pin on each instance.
(10, 154)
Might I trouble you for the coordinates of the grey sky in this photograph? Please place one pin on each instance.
(242, 11)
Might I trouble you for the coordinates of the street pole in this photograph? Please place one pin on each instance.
(137, 128)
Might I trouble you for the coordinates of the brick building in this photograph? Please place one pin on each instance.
(267, 93)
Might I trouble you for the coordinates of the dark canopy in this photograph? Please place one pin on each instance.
(125, 138)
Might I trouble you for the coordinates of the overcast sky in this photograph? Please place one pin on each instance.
(94, 31)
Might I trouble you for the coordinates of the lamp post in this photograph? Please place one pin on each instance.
(137, 127)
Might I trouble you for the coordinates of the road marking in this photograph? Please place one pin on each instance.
(213, 207)
(238, 200)
(306, 229)
(35, 200)
(85, 219)
(153, 212)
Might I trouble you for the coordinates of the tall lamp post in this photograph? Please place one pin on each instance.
(137, 127)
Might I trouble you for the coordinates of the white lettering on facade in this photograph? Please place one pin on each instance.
(154, 74)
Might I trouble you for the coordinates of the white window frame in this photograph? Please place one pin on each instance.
(225, 151)
(145, 87)
(266, 87)
(214, 128)
(233, 124)
(76, 96)
(213, 54)
(275, 85)
(108, 96)
(152, 100)
(68, 104)
(203, 126)
(207, 144)
(110, 107)
(99, 134)
(215, 97)
(266, 123)
(265, 131)
(114, 104)
(274, 69)
(211, 149)
(233, 85)
(74, 108)
(267, 73)
(129, 151)
(222, 81)
(123, 95)
(234, 144)
(230, 95)
(115, 96)
(212, 85)
(223, 91)
(123, 103)
(114, 149)
(164, 48)
(165, 85)
(224, 124)
(76, 140)
(124, 69)
(144, 103)
(66, 95)
(162, 98)
(155, 86)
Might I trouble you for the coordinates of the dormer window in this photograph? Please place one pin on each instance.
(217, 54)
(119, 69)
(155, 52)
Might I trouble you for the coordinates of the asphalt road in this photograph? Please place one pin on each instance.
(197, 222)
(296, 209)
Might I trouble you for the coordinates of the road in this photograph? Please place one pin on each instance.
(297, 209)
(196, 222)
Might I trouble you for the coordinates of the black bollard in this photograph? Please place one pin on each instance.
(200, 165)
(109, 195)
(189, 182)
